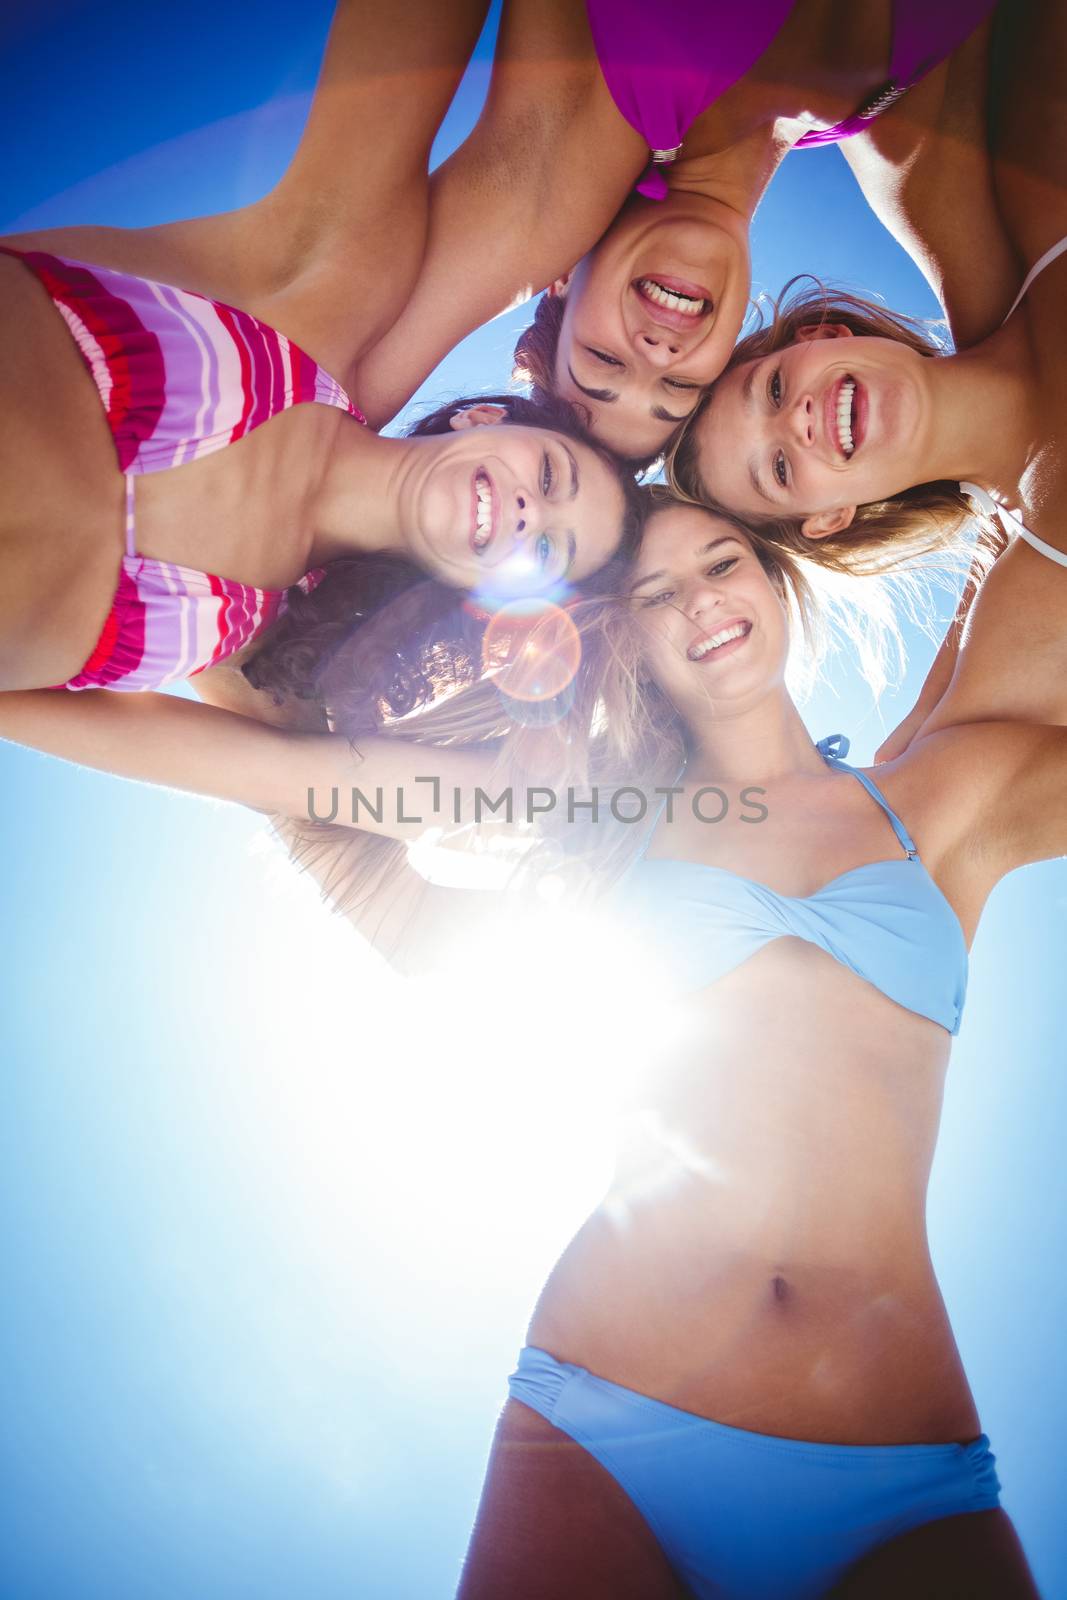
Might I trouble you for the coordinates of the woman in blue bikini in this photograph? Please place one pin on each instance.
(740, 1377)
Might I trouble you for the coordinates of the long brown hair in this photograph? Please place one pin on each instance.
(929, 520)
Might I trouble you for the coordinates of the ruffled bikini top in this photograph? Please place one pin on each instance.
(179, 376)
(888, 922)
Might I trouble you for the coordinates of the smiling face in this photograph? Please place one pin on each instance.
(511, 510)
(716, 626)
(651, 317)
(817, 428)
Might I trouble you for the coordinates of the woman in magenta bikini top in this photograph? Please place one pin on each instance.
(695, 103)
(234, 447)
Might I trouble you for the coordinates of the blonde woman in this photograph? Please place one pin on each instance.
(833, 433)
(740, 1377)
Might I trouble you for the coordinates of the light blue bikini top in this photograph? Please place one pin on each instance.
(888, 921)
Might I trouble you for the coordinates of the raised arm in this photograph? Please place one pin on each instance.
(1015, 639)
(1029, 117)
(332, 252)
(158, 738)
(926, 170)
(349, 216)
(535, 185)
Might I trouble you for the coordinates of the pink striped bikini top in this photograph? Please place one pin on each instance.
(179, 376)
(666, 63)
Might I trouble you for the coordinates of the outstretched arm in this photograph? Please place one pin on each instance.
(535, 185)
(159, 738)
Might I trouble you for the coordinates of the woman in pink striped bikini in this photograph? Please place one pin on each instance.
(112, 545)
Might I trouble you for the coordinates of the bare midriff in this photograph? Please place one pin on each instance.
(761, 1255)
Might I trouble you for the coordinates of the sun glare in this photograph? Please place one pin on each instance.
(467, 1116)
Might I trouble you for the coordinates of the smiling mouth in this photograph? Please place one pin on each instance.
(673, 302)
(483, 517)
(713, 644)
(843, 403)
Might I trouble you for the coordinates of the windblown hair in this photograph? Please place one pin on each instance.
(612, 728)
(534, 359)
(435, 632)
(929, 520)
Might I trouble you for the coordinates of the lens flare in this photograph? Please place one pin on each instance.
(538, 713)
(534, 648)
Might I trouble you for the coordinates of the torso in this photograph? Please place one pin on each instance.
(242, 513)
(1042, 484)
(761, 1257)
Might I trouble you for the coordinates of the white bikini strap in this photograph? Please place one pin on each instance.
(1037, 269)
(974, 491)
(985, 502)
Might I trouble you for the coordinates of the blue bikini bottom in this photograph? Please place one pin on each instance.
(748, 1516)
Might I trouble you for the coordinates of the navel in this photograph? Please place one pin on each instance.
(781, 1289)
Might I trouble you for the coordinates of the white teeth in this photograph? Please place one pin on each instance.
(698, 651)
(844, 415)
(668, 298)
(483, 517)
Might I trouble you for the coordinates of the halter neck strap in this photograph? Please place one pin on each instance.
(992, 508)
(833, 750)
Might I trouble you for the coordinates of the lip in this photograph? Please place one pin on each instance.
(663, 316)
(494, 512)
(723, 649)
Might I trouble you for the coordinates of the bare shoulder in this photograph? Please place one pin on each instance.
(948, 778)
(981, 800)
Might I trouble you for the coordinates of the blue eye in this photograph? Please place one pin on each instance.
(659, 599)
(721, 568)
(543, 548)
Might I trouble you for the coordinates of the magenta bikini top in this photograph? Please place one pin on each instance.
(666, 63)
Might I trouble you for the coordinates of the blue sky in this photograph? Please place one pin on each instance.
(272, 1221)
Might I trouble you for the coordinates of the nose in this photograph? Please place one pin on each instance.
(702, 598)
(802, 420)
(656, 349)
(528, 515)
